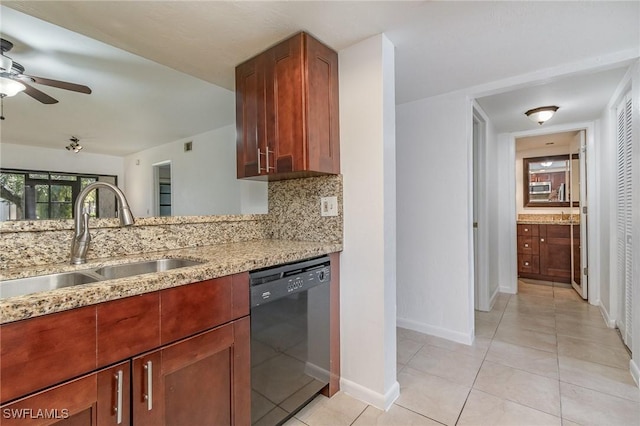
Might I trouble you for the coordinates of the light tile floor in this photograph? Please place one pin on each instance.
(542, 357)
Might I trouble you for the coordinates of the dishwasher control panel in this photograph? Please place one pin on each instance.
(274, 283)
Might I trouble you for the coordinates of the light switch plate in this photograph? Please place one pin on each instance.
(329, 206)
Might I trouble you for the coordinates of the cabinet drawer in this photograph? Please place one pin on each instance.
(528, 263)
(528, 230)
(528, 245)
(128, 327)
(192, 308)
(39, 352)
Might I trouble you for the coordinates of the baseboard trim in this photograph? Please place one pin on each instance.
(492, 299)
(611, 323)
(456, 336)
(635, 372)
(378, 400)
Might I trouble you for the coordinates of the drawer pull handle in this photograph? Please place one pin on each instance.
(118, 408)
(526, 263)
(526, 245)
(526, 229)
(542, 240)
(148, 396)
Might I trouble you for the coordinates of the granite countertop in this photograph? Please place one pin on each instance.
(547, 222)
(219, 260)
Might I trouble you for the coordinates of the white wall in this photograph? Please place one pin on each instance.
(368, 262)
(60, 160)
(203, 180)
(435, 244)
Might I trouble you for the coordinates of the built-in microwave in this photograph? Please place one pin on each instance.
(539, 187)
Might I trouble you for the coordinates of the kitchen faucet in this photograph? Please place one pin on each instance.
(82, 238)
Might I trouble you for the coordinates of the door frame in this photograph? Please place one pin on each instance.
(156, 186)
(483, 300)
(593, 231)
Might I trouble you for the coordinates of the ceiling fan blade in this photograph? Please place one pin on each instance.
(38, 95)
(60, 84)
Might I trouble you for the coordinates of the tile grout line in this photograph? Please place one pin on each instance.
(555, 322)
(481, 364)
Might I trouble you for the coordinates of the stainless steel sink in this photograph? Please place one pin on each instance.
(22, 286)
(139, 268)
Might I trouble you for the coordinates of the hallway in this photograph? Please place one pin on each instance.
(542, 357)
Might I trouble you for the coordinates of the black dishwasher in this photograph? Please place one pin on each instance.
(289, 338)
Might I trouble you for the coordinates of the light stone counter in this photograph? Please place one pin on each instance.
(220, 260)
(547, 222)
(548, 219)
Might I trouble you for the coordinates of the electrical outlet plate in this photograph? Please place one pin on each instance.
(329, 206)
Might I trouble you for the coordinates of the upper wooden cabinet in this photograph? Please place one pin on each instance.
(287, 111)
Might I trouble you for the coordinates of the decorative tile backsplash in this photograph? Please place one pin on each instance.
(294, 209)
(294, 214)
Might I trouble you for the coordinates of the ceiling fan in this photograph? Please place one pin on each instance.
(11, 71)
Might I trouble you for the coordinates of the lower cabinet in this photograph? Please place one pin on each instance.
(110, 364)
(192, 382)
(100, 398)
(201, 380)
(544, 252)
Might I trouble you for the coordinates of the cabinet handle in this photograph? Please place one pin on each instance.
(542, 240)
(526, 263)
(118, 408)
(148, 395)
(259, 167)
(267, 159)
(526, 245)
(526, 229)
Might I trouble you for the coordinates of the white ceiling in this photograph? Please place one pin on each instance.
(440, 47)
(540, 141)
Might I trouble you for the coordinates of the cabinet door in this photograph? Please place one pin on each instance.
(114, 394)
(250, 117)
(323, 130)
(285, 134)
(199, 380)
(555, 251)
(95, 399)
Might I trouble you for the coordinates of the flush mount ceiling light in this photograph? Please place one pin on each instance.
(74, 145)
(10, 87)
(541, 114)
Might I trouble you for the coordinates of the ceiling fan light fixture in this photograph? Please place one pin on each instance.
(5, 63)
(541, 114)
(74, 145)
(10, 87)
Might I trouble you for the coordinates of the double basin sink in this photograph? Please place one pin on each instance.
(22, 286)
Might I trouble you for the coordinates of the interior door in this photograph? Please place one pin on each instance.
(578, 168)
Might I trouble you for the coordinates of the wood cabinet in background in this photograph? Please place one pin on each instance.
(544, 252)
(287, 111)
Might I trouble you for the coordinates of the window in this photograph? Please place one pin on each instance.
(37, 195)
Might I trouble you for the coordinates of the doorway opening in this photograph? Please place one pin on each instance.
(551, 206)
(162, 193)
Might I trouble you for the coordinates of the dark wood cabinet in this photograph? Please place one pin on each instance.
(200, 376)
(287, 111)
(100, 398)
(44, 351)
(198, 380)
(544, 252)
